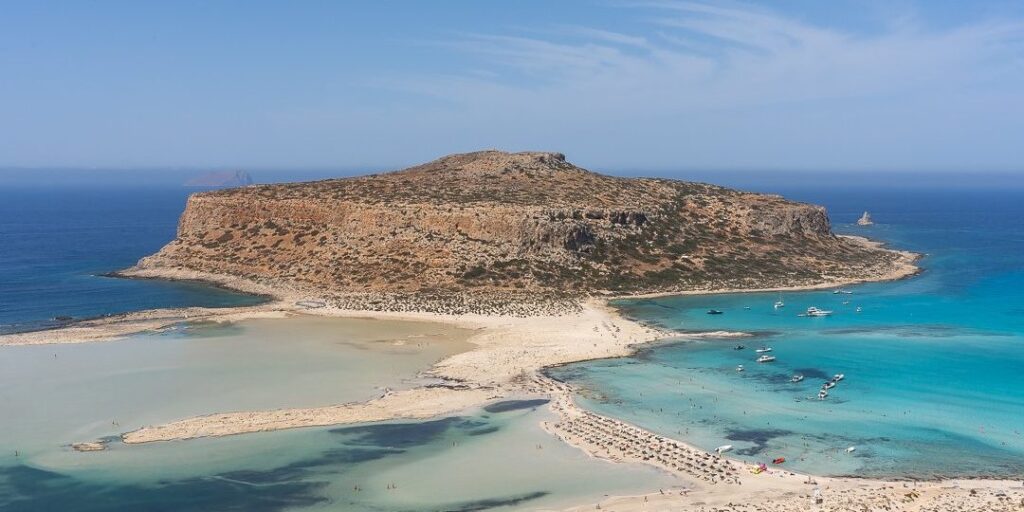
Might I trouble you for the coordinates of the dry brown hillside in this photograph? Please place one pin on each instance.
(492, 223)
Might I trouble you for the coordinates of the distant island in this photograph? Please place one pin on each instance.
(220, 179)
(515, 231)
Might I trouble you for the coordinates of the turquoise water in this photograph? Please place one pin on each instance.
(477, 461)
(934, 365)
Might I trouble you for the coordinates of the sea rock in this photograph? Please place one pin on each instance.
(92, 446)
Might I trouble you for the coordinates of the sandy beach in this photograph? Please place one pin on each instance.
(507, 359)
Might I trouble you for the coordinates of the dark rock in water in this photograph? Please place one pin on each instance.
(760, 439)
(221, 179)
(63, 318)
(813, 373)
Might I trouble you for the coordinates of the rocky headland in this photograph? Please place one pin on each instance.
(511, 233)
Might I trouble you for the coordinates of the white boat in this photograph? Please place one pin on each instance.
(822, 394)
(842, 292)
(851, 449)
(813, 311)
(724, 448)
(765, 359)
(838, 377)
(828, 385)
(797, 378)
(859, 309)
(762, 350)
(779, 304)
(739, 368)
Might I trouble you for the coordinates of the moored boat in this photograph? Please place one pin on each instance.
(814, 311)
(796, 378)
(765, 359)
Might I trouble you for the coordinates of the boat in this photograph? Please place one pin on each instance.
(724, 448)
(714, 312)
(865, 220)
(739, 368)
(859, 309)
(779, 303)
(765, 359)
(828, 385)
(842, 292)
(822, 394)
(851, 449)
(746, 307)
(739, 347)
(813, 311)
(762, 350)
(779, 460)
(838, 377)
(796, 378)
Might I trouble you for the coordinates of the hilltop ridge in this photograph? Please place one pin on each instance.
(495, 225)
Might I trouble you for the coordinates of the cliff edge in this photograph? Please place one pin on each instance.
(493, 224)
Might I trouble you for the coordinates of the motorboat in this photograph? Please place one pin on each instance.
(740, 368)
(739, 347)
(813, 311)
(714, 312)
(838, 377)
(762, 350)
(828, 385)
(859, 309)
(779, 304)
(822, 394)
(851, 449)
(766, 359)
(796, 378)
(842, 292)
(724, 448)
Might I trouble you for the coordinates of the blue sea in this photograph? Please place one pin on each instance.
(934, 370)
(933, 365)
(56, 243)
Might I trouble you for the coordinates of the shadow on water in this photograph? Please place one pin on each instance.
(473, 506)
(290, 486)
(515, 405)
(26, 489)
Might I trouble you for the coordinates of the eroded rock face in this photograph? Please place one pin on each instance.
(492, 221)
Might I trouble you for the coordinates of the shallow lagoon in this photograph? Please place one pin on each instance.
(496, 458)
(54, 395)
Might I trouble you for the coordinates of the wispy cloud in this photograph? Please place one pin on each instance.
(683, 58)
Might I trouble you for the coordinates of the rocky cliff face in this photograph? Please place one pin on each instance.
(491, 222)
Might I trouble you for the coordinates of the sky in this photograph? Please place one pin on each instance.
(811, 85)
